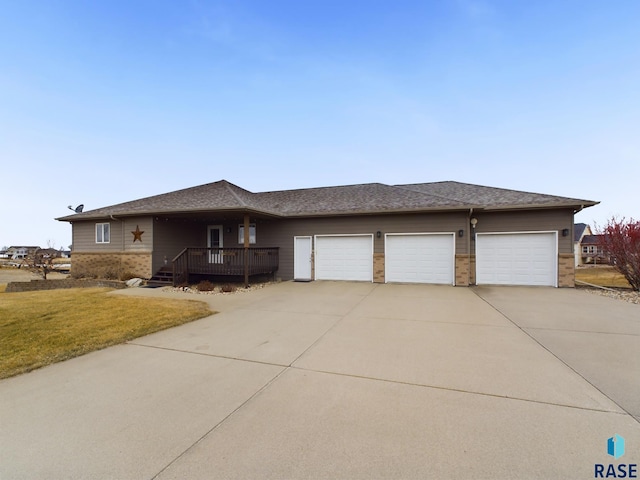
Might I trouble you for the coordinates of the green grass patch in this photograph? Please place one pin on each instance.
(45, 327)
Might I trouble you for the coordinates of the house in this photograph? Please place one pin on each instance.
(579, 232)
(443, 232)
(592, 250)
(587, 246)
(20, 252)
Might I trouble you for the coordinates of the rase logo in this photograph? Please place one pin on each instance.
(615, 448)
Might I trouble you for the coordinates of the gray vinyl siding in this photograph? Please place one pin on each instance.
(529, 221)
(121, 238)
(174, 235)
(281, 233)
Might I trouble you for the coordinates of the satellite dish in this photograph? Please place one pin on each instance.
(78, 209)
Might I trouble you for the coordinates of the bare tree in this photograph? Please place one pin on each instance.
(620, 239)
(40, 262)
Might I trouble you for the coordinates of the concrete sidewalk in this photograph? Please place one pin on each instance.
(340, 380)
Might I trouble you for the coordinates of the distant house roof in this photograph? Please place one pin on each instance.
(578, 231)
(367, 198)
(591, 239)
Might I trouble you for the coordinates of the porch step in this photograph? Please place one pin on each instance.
(162, 278)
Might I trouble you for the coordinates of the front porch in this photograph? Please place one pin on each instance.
(224, 262)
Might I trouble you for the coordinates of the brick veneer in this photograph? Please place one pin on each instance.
(378, 268)
(462, 270)
(472, 269)
(566, 270)
(135, 263)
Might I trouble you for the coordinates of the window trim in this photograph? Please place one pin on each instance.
(252, 234)
(100, 227)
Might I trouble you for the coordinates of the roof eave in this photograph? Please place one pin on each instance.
(153, 213)
(537, 206)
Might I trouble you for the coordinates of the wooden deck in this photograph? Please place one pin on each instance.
(235, 262)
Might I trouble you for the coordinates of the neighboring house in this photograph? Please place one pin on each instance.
(20, 252)
(592, 251)
(579, 231)
(443, 233)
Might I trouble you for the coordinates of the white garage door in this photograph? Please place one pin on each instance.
(517, 259)
(344, 257)
(422, 258)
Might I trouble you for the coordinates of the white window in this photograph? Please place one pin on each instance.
(252, 233)
(103, 233)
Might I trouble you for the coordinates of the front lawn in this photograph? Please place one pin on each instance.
(44, 327)
(604, 275)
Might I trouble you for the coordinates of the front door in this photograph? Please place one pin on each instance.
(214, 240)
(302, 259)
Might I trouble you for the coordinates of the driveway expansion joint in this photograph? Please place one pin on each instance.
(218, 424)
(523, 330)
(204, 354)
(581, 331)
(459, 390)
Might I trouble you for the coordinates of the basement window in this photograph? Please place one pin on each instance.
(103, 232)
(252, 233)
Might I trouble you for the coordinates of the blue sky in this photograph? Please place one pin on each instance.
(105, 102)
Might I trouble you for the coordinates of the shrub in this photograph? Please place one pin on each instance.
(109, 273)
(205, 286)
(621, 241)
(228, 288)
(126, 275)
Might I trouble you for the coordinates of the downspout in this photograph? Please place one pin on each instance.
(246, 249)
(469, 246)
(122, 229)
(122, 235)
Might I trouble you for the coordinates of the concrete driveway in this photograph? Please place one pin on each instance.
(342, 380)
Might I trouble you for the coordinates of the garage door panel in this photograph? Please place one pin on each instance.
(516, 259)
(421, 258)
(344, 258)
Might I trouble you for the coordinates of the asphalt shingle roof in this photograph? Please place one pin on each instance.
(341, 200)
(490, 197)
(591, 239)
(578, 231)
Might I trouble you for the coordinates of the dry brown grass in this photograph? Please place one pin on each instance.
(41, 328)
(605, 276)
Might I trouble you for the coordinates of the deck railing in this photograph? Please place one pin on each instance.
(224, 262)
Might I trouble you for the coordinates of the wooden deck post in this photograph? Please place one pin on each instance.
(246, 250)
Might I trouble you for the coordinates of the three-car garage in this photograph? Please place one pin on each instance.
(501, 258)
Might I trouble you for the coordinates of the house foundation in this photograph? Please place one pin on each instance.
(462, 270)
(378, 268)
(566, 270)
(111, 265)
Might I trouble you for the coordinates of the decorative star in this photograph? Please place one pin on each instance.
(137, 234)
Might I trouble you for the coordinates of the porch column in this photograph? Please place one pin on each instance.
(246, 250)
